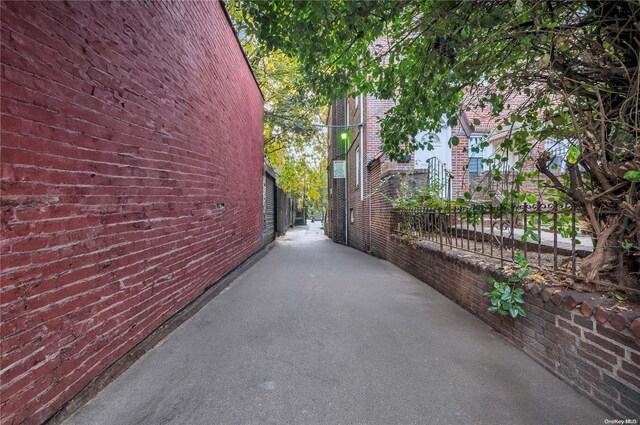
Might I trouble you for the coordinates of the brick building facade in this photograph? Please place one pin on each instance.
(132, 180)
(350, 217)
(573, 335)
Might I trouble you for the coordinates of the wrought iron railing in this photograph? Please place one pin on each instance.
(439, 176)
(548, 235)
(495, 182)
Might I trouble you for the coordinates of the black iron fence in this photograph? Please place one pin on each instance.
(438, 176)
(548, 235)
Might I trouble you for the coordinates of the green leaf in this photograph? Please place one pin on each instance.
(507, 293)
(618, 296)
(519, 258)
(489, 279)
(531, 198)
(626, 245)
(454, 141)
(513, 311)
(633, 176)
(573, 154)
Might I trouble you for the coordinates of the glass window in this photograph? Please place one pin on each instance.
(558, 149)
(476, 154)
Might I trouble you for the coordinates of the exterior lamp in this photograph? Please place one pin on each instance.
(344, 135)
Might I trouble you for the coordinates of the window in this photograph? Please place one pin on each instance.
(356, 102)
(348, 113)
(558, 150)
(477, 153)
(475, 167)
(351, 216)
(358, 162)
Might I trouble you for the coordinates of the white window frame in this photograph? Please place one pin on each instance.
(358, 167)
(475, 139)
(348, 114)
(483, 137)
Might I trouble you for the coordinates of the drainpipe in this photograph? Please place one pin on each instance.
(362, 153)
(346, 178)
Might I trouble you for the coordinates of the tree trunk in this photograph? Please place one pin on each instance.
(605, 258)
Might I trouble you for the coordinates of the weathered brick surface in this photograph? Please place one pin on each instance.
(125, 127)
(334, 226)
(357, 213)
(594, 358)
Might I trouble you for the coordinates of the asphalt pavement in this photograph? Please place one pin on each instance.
(320, 333)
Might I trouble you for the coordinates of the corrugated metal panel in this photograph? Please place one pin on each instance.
(269, 212)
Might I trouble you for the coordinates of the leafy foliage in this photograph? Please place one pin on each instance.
(506, 298)
(423, 196)
(294, 144)
(575, 63)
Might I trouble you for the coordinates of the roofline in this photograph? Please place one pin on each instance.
(235, 34)
(464, 123)
(380, 157)
(269, 169)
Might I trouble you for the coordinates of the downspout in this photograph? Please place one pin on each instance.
(363, 156)
(362, 153)
(346, 178)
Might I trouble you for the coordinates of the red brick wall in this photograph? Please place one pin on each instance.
(459, 166)
(582, 349)
(124, 126)
(384, 186)
(356, 202)
(375, 110)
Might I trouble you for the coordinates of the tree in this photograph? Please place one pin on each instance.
(577, 62)
(294, 143)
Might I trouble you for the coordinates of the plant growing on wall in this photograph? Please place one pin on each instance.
(507, 297)
(422, 196)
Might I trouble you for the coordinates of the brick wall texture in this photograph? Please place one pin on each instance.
(567, 332)
(357, 206)
(125, 127)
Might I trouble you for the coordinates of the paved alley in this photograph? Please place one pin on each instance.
(319, 333)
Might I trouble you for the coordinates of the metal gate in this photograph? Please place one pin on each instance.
(269, 209)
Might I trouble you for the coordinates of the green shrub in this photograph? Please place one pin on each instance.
(422, 197)
(506, 298)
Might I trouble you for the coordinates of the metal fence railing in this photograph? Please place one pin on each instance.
(439, 176)
(549, 235)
